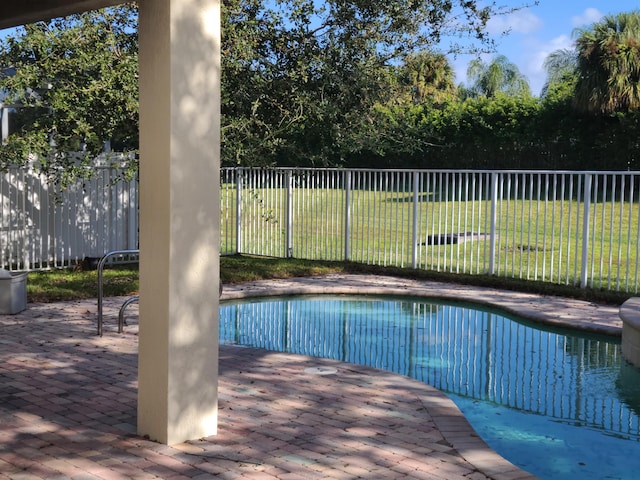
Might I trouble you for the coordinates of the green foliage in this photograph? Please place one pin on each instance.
(74, 83)
(484, 133)
(608, 64)
(497, 76)
(428, 77)
(302, 81)
(505, 132)
(333, 83)
(561, 71)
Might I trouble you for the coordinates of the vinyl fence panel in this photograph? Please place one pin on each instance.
(42, 226)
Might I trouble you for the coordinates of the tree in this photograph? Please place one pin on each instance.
(499, 75)
(73, 82)
(301, 83)
(429, 76)
(561, 67)
(608, 64)
(301, 79)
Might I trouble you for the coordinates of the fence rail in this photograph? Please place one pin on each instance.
(565, 227)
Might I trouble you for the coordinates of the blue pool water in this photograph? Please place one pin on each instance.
(558, 404)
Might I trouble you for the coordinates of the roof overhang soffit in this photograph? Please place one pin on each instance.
(21, 12)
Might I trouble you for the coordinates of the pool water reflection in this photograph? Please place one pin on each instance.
(556, 403)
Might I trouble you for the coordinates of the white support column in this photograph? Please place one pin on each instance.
(179, 218)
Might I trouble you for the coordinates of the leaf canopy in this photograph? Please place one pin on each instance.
(73, 83)
(608, 64)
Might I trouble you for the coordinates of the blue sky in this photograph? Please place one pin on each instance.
(539, 30)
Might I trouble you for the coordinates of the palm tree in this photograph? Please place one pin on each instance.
(430, 76)
(499, 75)
(608, 64)
(561, 68)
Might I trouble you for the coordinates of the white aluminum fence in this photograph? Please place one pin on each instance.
(44, 227)
(564, 227)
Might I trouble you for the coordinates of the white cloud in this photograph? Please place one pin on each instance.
(460, 65)
(589, 16)
(536, 63)
(520, 21)
(538, 52)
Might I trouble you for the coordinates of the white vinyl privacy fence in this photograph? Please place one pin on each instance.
(565, 227)
(43, 227)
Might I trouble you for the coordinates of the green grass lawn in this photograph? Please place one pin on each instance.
(536, 239)
(532, 252)
(71, 284)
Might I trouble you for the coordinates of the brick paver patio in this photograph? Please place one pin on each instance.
(68, 401)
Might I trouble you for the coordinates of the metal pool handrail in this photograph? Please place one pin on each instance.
(101, 265)
(124, 306)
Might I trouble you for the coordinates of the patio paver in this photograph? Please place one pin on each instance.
(68, 400)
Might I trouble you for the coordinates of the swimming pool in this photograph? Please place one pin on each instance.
(556, 403)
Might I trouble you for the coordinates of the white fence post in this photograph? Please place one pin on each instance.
(289, 228)
(585, 230)
(4, 128)
(414, 240)
(347, 214)
(239, 210)
(493, 234)
(132, 215)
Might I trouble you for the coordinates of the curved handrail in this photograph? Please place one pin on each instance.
(124, 306)
(101, 265)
